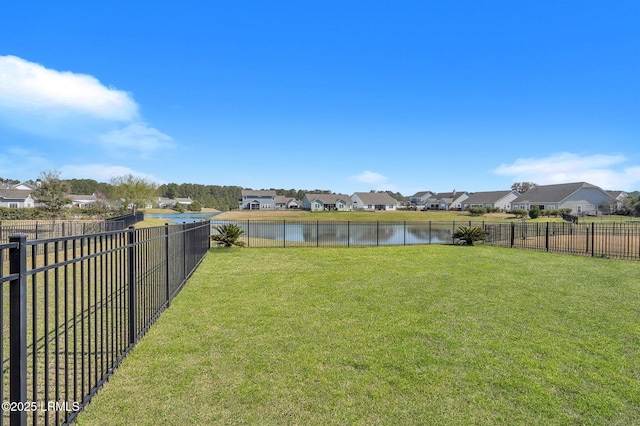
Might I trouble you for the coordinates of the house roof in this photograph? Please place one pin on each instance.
(378, 198)
(262, 193)
(616, 194)
(281, 199)
(75, 197)
(25, 186)
(487, 197)
(421, 194)
(552, 193)
(14, 194)
(329, 198)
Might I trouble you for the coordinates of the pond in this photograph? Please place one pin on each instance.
(182, 217)
(344, 233)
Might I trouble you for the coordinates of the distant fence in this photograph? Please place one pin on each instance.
(71, 308)
(614, 240)
(123, 222)
(43, 229)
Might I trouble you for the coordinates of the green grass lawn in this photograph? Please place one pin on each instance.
(388, 335)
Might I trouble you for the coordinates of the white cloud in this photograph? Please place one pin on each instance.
(138, 136)
(31, 88)
(101, 172)
(370, 177)
(74, 107)
(604, 170)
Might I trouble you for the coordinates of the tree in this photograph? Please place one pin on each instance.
(51, 192)
(522, 187)
(134, 192)
(228, 235)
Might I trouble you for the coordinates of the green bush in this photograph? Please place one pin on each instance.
(469, 234)
(477, 211)
(534, 212)
(228, 235)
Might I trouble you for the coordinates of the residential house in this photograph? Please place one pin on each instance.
(284, 203)
(83, 200)
(447, 200)
(257, 200)
(420, 199)
(169, 203)
(27, 186)
(16, 198)
(491, 199)
(319, 202)
(618, 198)
(372, 201)
(580, 197)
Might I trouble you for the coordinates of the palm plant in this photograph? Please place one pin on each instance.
(469, 234)
(228, 235)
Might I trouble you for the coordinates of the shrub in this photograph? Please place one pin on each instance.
(520, 213)
(534, 212)
(228, 235)
(477, 211)
(469, 234)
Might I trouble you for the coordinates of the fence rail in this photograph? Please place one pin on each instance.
(614, 240)
(44, 229)
(71, 308)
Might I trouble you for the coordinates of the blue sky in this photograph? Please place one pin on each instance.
(341, 95)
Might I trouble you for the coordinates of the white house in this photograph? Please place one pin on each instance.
(491, 199)
(372, 201)
(319, 202)
(16, 198)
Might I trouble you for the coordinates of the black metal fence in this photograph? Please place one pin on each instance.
(71, 308)
(611, 240)
(614, 240)
(41, 229)
(123, 222)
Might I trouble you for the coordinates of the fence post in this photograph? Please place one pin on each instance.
(184, 250)
(18, 328)
(166, 260)
(348, 234)
(284, 233)
(132, 285)
(593, 238)
(546, 238)
(513, 233)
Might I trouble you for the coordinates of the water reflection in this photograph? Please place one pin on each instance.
(346, 233)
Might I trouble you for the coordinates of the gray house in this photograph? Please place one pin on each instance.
(618, 199)
(16, 198)
(284, 203)
(447, 200)
(420, 199)
(372, 201)
(257, 200)
(491, 199)
(580, 197)
(319, 202)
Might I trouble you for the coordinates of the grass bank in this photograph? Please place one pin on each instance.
(388, 335)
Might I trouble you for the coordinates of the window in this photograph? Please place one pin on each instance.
(13, 205)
